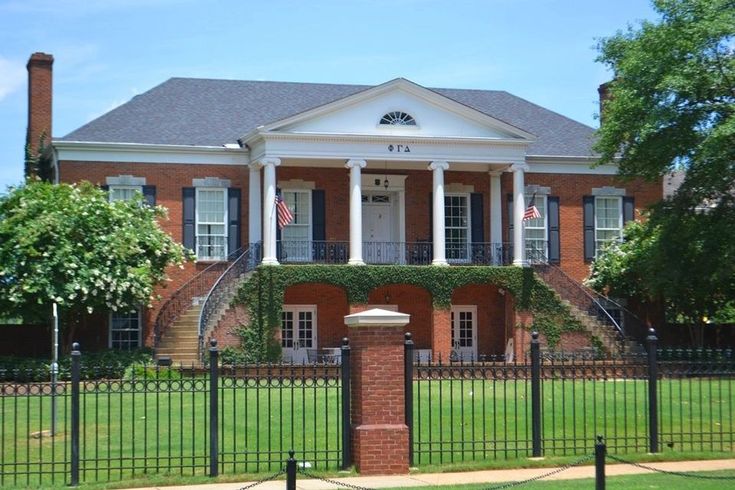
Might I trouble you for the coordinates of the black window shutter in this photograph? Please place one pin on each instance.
(628, 209)
(318, 215)
(588, 208)
(552, 209)
(318, 223)
(105, 188)
(234, 228)
(478, 217)
(189, 205)
(149, 195)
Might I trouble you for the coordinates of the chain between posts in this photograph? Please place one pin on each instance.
(669, 472)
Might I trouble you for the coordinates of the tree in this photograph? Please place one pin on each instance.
(69, 245)
(671, 107)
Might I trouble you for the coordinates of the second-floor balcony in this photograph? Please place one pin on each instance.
(393, 253)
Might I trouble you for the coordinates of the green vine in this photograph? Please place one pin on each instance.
(263, 294)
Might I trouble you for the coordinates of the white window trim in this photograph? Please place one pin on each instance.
(113, 187)
(140, 328)
(455, 310)
(545, 216)
(296, 309)
(225, 223)
(468, 245)
(310, 227)
(620, 218)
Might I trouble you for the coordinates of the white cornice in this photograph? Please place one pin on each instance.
(86, 151)
(548, 164)
(389, 138)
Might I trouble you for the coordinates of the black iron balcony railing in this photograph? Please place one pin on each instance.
(403, 253)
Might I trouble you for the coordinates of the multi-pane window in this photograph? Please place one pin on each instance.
(125, 330)
(297, 328)
(211, 224)
(536, 232)
(608, 221)
(457, 227)
(124, 192)
(296, 236)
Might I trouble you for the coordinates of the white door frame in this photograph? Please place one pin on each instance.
(297, 353)
(464, 353)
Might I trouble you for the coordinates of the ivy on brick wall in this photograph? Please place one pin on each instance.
(263, 293)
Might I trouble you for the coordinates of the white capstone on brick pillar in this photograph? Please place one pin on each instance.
(496, 212)
(440, 256)
(270, 217)
(519, 207)
(355, 166)
(255, 218)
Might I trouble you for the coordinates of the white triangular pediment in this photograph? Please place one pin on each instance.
(435, 115)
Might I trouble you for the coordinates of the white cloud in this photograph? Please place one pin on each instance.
(13, 76)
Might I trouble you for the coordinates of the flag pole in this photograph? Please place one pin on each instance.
(54, 366)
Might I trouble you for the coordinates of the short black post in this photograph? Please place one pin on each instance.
(213, 408)
(346, 420)
(600, 464)
(408, 379)
(291, 471)
(76, 359)
(652, 342)
(535, 395)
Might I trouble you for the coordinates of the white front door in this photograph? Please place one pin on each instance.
(379, 245)
(298, 332)
(464, 333)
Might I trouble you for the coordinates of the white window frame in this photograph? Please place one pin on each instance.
(468, 228)
(298, 253)
(455, 311)
(295, 310)
(599, 242)
(225, 222)
(139, 312)
(544, 220)
(112, 188)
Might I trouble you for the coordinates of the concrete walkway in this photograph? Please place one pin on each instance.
(459, 478)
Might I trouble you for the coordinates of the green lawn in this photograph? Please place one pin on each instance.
(130, 430)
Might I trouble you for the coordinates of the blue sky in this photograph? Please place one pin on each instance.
(107, 51)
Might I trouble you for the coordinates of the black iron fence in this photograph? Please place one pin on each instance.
(556, 404)
(173, 420)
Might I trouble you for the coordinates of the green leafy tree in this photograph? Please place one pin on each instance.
(69, 245)
(671, 107)
(38, 163)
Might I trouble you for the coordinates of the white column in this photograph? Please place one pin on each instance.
(519, 207)
(440, 256)
(355, 211)
(255, 217)
(269, 210)
(496, 208)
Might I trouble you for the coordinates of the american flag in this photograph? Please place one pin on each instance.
(531, 211)
(285, 216)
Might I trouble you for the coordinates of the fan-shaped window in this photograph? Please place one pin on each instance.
(398, 118)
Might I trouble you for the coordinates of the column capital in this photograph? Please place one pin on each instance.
(255, 166)
(355, 162)
(439, 164)
(496, 173)
(519, 167)
(270, 161)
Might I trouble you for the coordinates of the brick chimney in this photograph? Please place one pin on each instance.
(39, 99)
(604, 92)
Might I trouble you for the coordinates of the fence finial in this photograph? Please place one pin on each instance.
(534, 335)
(345, 342)
(75, 346)
(213, 342)
(408, 336)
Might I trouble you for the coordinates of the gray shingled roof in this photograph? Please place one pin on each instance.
(204, 112)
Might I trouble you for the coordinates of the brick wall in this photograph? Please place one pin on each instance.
(490, 319)
(571, 189)
(412, 300)
(331, 304)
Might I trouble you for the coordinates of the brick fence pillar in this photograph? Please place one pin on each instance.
(379, 432)
(441, 334)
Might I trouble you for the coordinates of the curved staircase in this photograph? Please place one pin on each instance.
(588, 307)
(197, 307)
